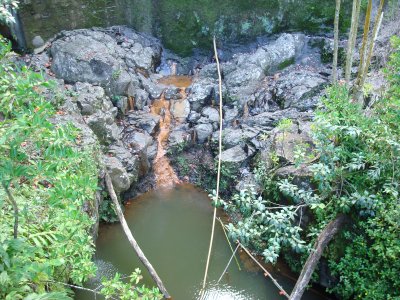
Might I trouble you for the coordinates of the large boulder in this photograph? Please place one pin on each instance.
(299, 89)
(203, 132)
(234, 155)
(106, 57)
(85, 55)
(200, 93)
(146, 121)
(180, 109)
(119, 176)
(287, 142)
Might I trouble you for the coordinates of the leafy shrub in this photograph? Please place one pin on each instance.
(358, 174)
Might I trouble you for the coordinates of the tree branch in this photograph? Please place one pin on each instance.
(322, 241)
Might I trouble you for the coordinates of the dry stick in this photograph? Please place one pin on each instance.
(229, 243)
(265, 271)
(229, 262)
(219, 165)
(132, 240)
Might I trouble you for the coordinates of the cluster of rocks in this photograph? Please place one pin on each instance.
(105, 68)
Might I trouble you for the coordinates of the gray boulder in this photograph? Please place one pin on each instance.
(200, 93)
(211, 113)
(104, 127)
(234, 155)
(139, 141)
(269, 120)
(119, 177)
(299, 89)
(87, 56)
(146, 121)
(286, 143)
(180, 109)
(203, 132)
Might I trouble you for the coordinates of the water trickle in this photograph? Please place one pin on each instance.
(164, 173)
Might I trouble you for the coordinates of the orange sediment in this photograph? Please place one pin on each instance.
(164, 173)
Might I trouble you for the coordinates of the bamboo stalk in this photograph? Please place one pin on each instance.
(378, 22)
(364, 41)
(219, 166)
(132, 240)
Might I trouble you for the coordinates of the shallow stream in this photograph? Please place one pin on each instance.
(172, 226)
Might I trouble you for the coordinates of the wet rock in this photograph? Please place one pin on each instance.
(119, 177)
(131, 162)
(180, 109)
(146, 121)
(179, 135)
(193, 117)
(203, 132)
(139, 141)
(155, 91)
(234, 155)
(172, 93)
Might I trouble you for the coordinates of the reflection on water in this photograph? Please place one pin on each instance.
(172, 226)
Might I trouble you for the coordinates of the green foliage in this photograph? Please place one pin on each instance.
(358, 174)
(5, 10)
(116, 288)
(53, 181)
(265, 228)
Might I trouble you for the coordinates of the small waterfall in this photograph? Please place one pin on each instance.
(17, 31)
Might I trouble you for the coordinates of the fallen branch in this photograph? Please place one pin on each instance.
(132, 240)
(322, 241)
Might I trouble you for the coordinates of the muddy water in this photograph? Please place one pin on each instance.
(173, 228)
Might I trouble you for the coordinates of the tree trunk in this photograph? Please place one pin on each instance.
(322, 241)
(132, 240)
(352, 38)
(364, 66)
(336, 42)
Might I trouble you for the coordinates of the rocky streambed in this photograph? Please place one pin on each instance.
(147, 108)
